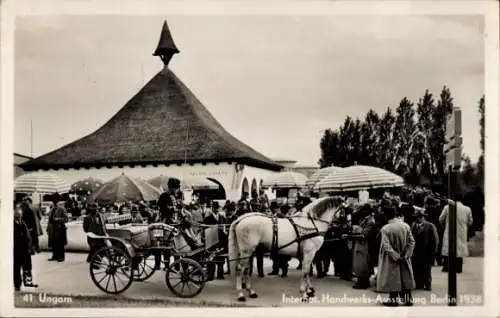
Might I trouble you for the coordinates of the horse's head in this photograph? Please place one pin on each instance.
(326, 208)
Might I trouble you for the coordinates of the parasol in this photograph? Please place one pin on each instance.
(40, 182)
(320, 174)
(359, 177)
(86, 186)
(125, 188)
(284, 180)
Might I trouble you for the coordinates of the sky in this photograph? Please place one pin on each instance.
(274, 82)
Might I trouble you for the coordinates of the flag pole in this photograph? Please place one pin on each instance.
(31, 138)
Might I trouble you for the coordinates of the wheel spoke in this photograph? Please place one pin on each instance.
(124, 274)
(173, 286)
(187, 284)
(117, 276)
(191, 282)
(99, 264)
(107, 284)
(99, 282)
(114, 283)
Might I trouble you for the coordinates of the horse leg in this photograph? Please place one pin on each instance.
(306, 288)
(246, 278)
(239, 281)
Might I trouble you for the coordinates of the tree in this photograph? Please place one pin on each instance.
(468, 173)
(440, 116)
(369, 139)
(404, 128)
(356, 141)
(346, 157)
(329, 146)
(385, 147)
(420, 148)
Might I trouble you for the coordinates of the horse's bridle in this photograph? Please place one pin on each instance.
(312, 219)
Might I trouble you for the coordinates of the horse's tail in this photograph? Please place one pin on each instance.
(233, 249)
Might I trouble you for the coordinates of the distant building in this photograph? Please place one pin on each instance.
(19, 159)
(308, 171)
(162, 130)
(291, 165)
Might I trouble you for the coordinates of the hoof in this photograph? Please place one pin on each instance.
(310, 293)
(241, 298)
(304, 299)
(253, 295)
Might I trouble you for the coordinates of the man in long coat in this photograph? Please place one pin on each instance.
(22, 251)
(32, 220)
(363, 236)
(464, 221)
(395, 275)
(56, 230)
(426, 247)
(433, 210)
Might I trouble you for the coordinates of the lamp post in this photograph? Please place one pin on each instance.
(453, 152)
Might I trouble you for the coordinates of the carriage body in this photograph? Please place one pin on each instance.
(133, 252)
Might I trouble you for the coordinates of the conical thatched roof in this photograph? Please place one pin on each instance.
(164, 123)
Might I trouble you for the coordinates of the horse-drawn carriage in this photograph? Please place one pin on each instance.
(131, 252)
(134, 252)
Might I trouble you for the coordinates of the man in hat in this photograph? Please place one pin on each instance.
(364, 236)
(93, 223)
(464, 221)
(136, 217)
(32, 217)
(167, 202)
(426, 244)
(280, 261)
(395, 274)
(56, 229)
(22, 251)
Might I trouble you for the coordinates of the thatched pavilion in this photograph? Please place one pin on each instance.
(163, 129)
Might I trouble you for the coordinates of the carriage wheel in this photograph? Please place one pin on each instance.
(111, 270)
(185, 278)
(146, 268)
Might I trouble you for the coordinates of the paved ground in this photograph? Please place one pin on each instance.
(72, 278)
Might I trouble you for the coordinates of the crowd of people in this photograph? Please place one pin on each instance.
(357, 243)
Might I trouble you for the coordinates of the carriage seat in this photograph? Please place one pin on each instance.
(136, 234)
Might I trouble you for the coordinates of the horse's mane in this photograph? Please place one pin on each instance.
(319, 206)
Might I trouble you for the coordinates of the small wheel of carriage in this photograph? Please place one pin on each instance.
(185, 278)
(111, 269)
(146, 267)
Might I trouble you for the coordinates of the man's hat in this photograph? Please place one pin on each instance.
(92, 206)
(419, 212)
(215, 205)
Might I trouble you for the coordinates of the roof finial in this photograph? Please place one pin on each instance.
(166, 47)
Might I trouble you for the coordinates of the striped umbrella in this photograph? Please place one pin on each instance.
(359, 177)
(320, 174)
(87, 186)
(125, 188)
(40, 182)
(160, 181)
(284, 180)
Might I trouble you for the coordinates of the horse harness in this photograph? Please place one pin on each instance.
(302, 234)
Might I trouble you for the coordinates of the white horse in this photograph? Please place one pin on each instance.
(300, 236)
